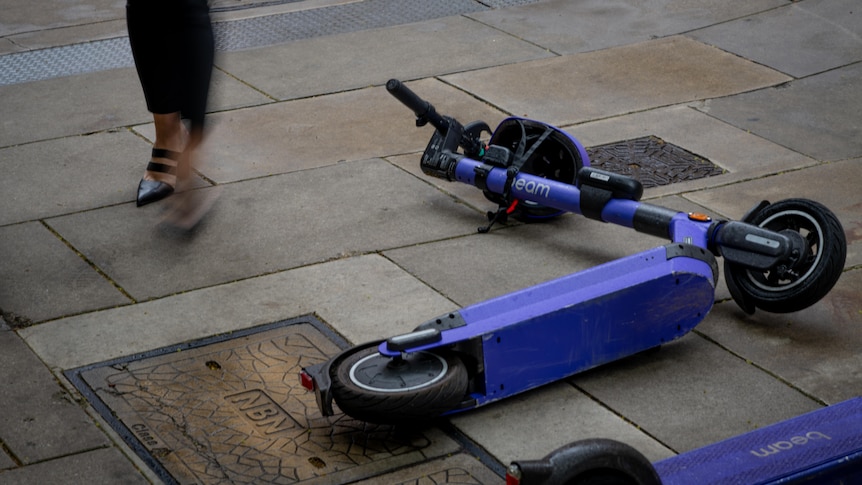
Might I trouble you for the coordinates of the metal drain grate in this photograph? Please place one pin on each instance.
(65, 61)
(652, 161)
(243, 34)
(230, 409)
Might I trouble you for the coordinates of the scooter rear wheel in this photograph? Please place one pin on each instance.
(375, 388)
(782, 290)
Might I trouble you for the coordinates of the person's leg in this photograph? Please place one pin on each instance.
(196, 58)
(153, 26)
(171, 136)
(189, 207)
(173, 46)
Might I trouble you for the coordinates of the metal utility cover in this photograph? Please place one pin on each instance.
(652, 161)
(229, 409)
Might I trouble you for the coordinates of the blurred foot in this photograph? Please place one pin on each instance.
(187, 209)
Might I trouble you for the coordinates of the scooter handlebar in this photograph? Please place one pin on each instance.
(424, 111)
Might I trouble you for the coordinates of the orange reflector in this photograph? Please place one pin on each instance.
(697, 216)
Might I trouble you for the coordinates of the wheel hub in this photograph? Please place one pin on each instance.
(407, 373)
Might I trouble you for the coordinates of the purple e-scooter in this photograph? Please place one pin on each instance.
(780, 257)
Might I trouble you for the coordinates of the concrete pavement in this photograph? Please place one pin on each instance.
(324, 211)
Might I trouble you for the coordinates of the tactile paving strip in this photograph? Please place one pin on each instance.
(243, 34)
(652, 161)
(230, 409)
(337, 19)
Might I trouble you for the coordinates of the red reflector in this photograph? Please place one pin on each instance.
(513, 475)
(306, 380)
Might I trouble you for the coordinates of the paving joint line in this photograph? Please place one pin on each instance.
(761, 368)
(88, 261)
(12, 456)
(620, 415)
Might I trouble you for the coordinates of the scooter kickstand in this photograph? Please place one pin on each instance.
(501, 216)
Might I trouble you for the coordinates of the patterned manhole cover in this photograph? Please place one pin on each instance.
(652, 161)
(230, 409)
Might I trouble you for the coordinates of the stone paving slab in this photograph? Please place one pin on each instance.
(46, 39)
(105, 466)
(45, 279)
(480, 266)
(25, 16)
(298, 135)
(741, 154)
(460, 469)
(80, 101)
(363, 298)
(531, 425)
(568, 27)
(589, 86)
(6, 462)
(64, 175)
(835, 185)
(292, 220)
(55, 427)
(370, 57)
(816, 116)
(815, 350)
(7, 46)
(467, 194)
(692, 393)
(842, 14)
(802, 39)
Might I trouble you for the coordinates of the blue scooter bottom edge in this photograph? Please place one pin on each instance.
(823, 446)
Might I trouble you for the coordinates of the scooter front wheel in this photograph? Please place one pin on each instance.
(785, 290)
(375, 388)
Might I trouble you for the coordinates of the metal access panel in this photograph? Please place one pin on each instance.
(652, 161)
(230, 409)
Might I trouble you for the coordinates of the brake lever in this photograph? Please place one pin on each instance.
(471, 139)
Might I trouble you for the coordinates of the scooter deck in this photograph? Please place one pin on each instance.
(823, 447)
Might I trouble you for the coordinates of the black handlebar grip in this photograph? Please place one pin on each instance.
(423, 110)
(402, 93)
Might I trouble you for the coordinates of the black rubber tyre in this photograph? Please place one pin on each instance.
(784, 292)
(378, 389)
(591, 462)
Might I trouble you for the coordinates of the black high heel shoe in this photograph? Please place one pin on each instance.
(152, 190)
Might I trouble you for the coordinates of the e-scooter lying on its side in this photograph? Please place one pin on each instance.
(822, 447)
(780, 257)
